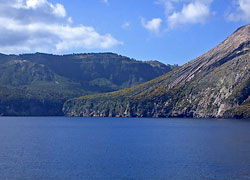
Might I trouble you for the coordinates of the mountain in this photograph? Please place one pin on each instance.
(216, 84)
(39, 84)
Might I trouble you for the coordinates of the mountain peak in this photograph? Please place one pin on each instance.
(240, 36)
(243, 29)
(234, 45)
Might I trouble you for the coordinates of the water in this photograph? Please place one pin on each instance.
(61, 148)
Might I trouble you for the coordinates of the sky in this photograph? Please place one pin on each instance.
(170, 31)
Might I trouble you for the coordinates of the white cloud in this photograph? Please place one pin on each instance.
(242, 12)
(105, 1)
(38, 25)
(59, 10)
(191, 11)
(126, 25)
(70, 20)
(152, 25)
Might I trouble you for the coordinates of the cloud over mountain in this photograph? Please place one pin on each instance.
(184, 12)
(39, 25)
(242, 11)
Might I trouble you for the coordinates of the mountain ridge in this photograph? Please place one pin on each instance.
(208, 86)
(39, 84)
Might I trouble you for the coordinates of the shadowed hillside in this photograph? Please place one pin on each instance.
(39, 84)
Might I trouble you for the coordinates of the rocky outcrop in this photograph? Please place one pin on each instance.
(215, 84)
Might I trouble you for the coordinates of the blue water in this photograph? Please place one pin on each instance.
(61, 148)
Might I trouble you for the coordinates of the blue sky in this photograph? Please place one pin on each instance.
(171, 31)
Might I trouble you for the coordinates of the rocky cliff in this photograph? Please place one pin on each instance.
(216, 84)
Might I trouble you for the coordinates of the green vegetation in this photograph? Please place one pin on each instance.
(242, 111)
(39, 84)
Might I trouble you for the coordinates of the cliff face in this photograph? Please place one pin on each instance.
(216, 84)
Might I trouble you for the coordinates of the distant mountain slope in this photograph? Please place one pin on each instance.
(39, 84)
(98, 72)
(216, 84)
